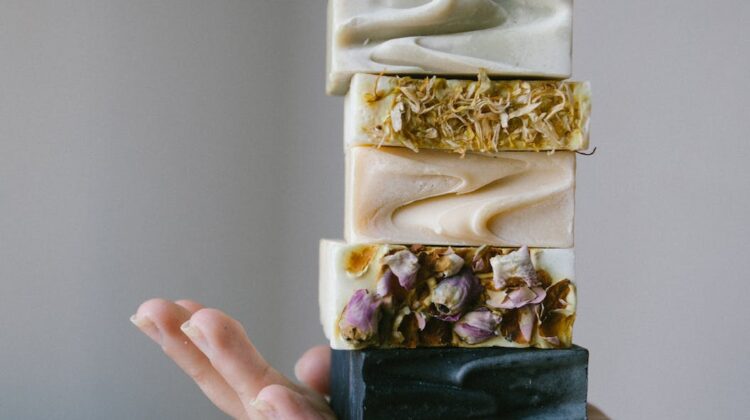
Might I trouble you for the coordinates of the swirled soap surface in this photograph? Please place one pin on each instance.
(395, 195)
(507, 38)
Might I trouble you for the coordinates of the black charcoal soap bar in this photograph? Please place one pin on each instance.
(459, 383)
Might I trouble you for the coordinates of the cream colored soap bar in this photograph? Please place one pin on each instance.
(480, 115)
(507, 38)
(375, 295)
(394, 195)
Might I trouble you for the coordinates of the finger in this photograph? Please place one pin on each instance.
(280, 402)
(225, 343)
(594, 413)
(190, 305)
(314, 367)
(161, 319)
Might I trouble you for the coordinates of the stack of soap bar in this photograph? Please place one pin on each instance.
(452, 295)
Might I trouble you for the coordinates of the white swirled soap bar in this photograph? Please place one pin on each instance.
(395, 195)
(507, 38)
(381, 295)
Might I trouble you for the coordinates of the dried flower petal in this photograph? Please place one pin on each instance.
(478, 326)
(396, 116)
(527, 320)
(449, 264)
(455, 294)
(359, 321)
(516, 297)
(421, 320)
(557, 328)
(479, 263)
(405, 266)
(516, 264)
(387, 283)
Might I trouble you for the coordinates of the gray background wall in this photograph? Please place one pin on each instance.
(186, 149)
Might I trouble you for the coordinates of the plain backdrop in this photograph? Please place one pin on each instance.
(185, 148)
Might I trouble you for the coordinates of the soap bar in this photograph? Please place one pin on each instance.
(508, 38)
(391, 296)
(478, 115)
(459, 384)
(394, 195)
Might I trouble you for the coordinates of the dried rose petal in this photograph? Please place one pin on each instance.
(516, 297)
(527, 320)
(405, 266)
(361, 315)
(516, 264)
(478, 263)
(449, 264)
(455, 294)
(557, 328)
(387, 284)
(477, 326)
(421, 320)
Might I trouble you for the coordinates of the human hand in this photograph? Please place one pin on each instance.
(214, 350)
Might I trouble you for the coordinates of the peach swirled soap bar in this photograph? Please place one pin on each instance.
(507, 38)
(394, 195)
(380, 295)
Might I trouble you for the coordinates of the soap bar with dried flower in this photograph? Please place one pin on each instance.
(454, 297)
(479, 115)
(394, 195)
(508, 38)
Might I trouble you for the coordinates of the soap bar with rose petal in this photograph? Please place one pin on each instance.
(507, 38)
(393, 296)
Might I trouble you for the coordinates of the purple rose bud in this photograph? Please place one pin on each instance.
(387, 283)
(517, 264)
(455, 294)
(361, 316)
(477, 326)
(405, 266)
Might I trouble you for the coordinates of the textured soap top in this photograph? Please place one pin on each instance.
(394, 195)
(480, 115)
(507, 38)
(451, 383)
(381, 295)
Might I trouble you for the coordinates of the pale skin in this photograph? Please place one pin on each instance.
(214, 350)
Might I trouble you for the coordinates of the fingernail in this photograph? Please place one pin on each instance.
(264, 408)
(147, 327)
(196, 336)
